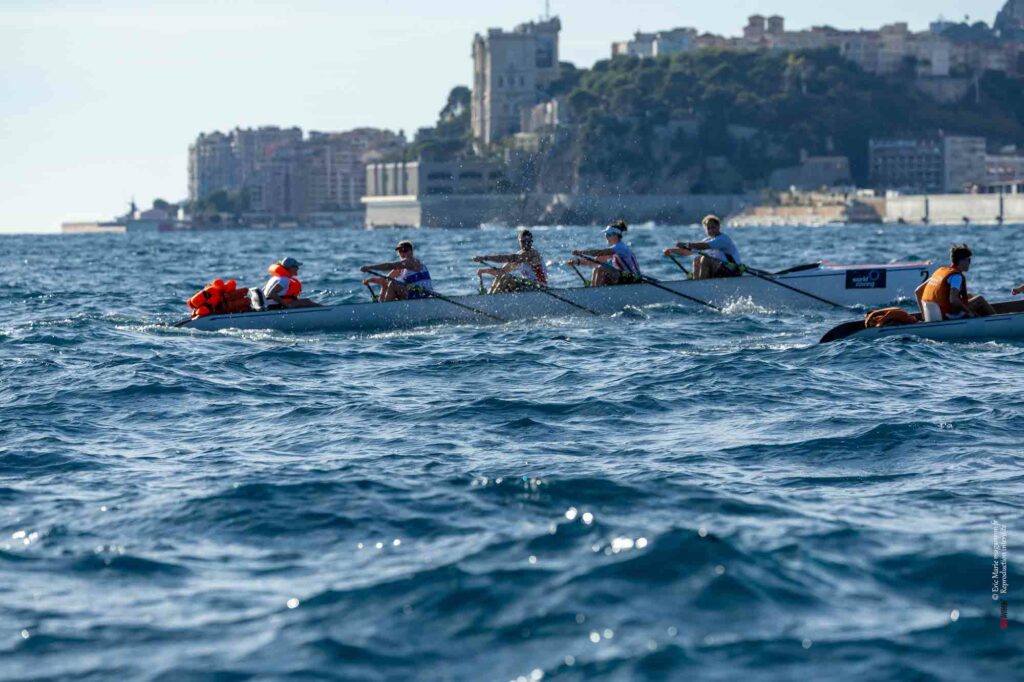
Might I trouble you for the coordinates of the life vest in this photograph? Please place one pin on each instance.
(214, 297)
(937, 290)
(888, 317)
(291, 285)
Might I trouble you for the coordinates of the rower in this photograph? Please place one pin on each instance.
(724, 258)
(619, 265)
(407, 278)
(283, 288)
(523, 270)
(946, 290)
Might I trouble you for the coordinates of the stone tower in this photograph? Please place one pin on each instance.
(511, 69)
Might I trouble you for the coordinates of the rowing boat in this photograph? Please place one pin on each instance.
(853, 285)
(1007, 324)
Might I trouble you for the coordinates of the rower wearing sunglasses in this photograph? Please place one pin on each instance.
(521, 271)
(407, 278)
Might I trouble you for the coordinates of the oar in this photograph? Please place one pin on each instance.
(678, 264)
(761, 274)
(372, 295)
(654, 283)
(842, 331)
(434, 294)
(586, 282)
(544, 290)
(480, 275)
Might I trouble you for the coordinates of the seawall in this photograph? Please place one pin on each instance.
(546, 209)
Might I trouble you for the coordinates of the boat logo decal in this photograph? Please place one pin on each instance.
(865, 279)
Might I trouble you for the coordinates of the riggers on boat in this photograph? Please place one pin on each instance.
(219, 297)
(1006, 324)
(849, 285)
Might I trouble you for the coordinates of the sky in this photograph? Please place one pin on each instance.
(99, 99)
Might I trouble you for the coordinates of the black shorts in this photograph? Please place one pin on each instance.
(719, 269)
(628, 278)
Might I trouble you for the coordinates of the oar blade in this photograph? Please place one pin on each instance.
(846, 329)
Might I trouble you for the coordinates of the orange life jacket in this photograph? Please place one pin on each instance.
(207, 301)
(294, 285)
(887, 317)
(937, 290)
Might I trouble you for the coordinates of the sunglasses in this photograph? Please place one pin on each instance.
(403, 249)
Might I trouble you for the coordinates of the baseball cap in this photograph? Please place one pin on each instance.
(290, 262)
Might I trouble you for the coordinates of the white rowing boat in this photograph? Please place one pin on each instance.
(852, 285)
(1007, 324)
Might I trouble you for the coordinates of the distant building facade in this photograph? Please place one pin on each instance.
(1006, 166)
(942, 163)
(335, 166)
(212, 165)
(660, 44)
(436, 194)
(284, 174)
(887, 50)
(510, 71)
(255, 147)
(963, 162)
(433, 178)
(906, 164)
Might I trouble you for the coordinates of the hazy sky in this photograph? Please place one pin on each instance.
(99, 99)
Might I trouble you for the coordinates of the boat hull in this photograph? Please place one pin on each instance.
(1007, 325)
(846, 285)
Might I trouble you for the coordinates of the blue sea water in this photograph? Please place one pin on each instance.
(666, 494)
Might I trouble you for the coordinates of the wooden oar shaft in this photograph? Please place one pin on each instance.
(654, 283)
(544, 290)
(434, 294)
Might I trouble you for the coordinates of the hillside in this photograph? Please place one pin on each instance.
(713, 121)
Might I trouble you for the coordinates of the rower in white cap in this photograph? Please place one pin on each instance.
(618, 264)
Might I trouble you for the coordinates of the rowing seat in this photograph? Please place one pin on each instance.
(932, 312)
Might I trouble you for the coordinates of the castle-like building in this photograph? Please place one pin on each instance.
(511, 70)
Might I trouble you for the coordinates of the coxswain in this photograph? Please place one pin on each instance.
(721, 258)
(618, 264)
(407, 278)
(283, 288)
(947, 288)
(522, 270)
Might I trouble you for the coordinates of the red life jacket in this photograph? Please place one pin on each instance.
(214, 296)
(294, 288)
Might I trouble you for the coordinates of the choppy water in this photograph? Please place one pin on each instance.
(662, 495)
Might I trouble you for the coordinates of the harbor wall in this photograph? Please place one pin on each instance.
(950, 209)
(546, 209)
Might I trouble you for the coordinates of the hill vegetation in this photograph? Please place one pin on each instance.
(718, 121)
